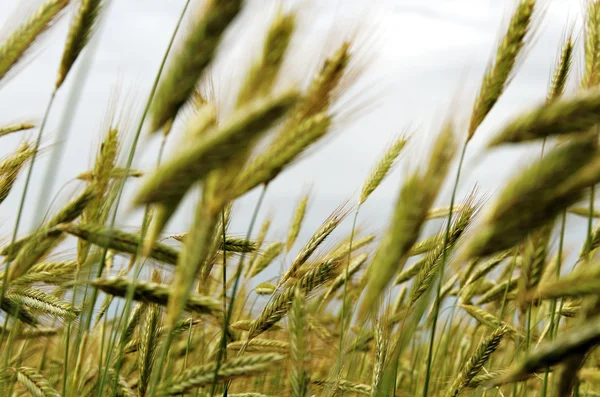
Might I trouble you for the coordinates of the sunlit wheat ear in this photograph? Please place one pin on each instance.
(17, 310)
(323, 89)
(330, 224)
(533, 198)
(104, 165)
(201, 122)
(501, 70)
(42, 303)
(193, 163)
(34, 382)
(296, 224)
(261, 346)
(381, 352)
(82, 28)
(355, 265)
(9, 129)
(49, 273)
(433, 260)
(476, 362)
(591, 76)
(282, 152)
(416, 197)
(349, 247)
(265, 288)
(344, 385)
(278, 307)
(550, 269)
(194, 377)
(135, 317)
(583, 212)
(475, 289)
(32, 250)
(382, 168)
(116, 173)
(590, 245)
(308, 123)
(263, 74)
(260, 239)
(443, 212)
(564, 116)
(133, 340)
(17, 44)
(534, 253)
(489, 320)
(263, 260)
(482, 270)
(576, 340)
(562, 69)
(497, 293)
(11, 166)
(197, 51)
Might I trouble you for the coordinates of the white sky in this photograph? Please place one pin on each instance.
(422, 55)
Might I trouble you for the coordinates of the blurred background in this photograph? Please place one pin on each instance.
(420, 62)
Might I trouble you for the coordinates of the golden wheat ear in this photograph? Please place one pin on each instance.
(476, 362)
(198, 376)
(416, 198)
(12, 128)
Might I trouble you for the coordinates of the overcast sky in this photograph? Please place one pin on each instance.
(418, 57)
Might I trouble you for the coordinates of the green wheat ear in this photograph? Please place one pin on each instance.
(82, 27)
(501, 70)
(197, 51)
(21, 40)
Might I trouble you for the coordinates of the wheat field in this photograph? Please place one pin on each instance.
(477, 297)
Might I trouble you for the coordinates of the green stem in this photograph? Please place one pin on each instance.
(126, 313)
(121, 181)
(138, 265)
(237, 276)
(528, 329)
(225, 325)
(440, 278)
(591, 214)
